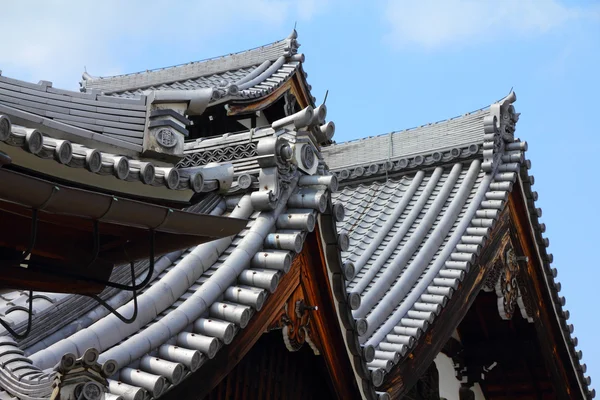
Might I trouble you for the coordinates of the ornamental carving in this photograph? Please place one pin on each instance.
(499, 128)
(221, 154)
(507, 118)
(506, 286)
(290, 106)
(294, 321)
(166, 138)
(308, 157)
(506, 279)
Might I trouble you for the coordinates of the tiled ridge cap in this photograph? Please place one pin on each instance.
(403, 164)
(98, 162)
(262, 80)
(381, 135)
(415, 127)
(92, 78)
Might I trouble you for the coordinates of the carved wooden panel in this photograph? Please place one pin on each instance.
(294, 318)
(506, 273)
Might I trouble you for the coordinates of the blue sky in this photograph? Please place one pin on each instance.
(389, 65)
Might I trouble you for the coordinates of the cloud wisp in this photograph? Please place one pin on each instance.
(434, 24)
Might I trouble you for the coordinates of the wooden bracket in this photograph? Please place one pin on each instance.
(294, 321)
(506, 279)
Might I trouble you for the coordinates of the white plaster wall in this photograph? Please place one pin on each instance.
(449, 385)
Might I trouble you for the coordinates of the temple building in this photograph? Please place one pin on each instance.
(197, 232)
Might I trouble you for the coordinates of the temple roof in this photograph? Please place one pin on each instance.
(420, 205)
(198, 299)
(245, 75)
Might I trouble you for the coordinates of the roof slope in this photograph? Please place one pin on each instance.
(117, 122)
(199, 298)
(420, 205)
(244, 75)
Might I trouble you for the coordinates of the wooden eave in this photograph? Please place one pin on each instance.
(551, 336)
(295, 85)
(513, 222)
(307, 278)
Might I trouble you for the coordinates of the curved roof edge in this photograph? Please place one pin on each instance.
(259, 60)
(502, 168)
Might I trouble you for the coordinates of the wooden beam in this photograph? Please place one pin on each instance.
(70, 239)
(42, 281)
(260, 104)
(549, 331)
(293, 85)
(316, 281)
(406, 373)
(300, 91)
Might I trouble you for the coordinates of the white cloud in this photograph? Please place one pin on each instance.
(434, 24)
(54, 39)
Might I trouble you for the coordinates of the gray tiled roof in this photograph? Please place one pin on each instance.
(407, 236)
(117, 122)
(29, 146)
(420, 205)
(245, 75)
(199, 299)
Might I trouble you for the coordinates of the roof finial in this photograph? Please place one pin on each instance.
(294, 34)
(85, 74)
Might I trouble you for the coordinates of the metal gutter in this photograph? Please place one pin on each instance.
(37, 193)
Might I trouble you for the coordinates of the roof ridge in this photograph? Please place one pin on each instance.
(90, 77)
(409, 129)
(421, 126)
